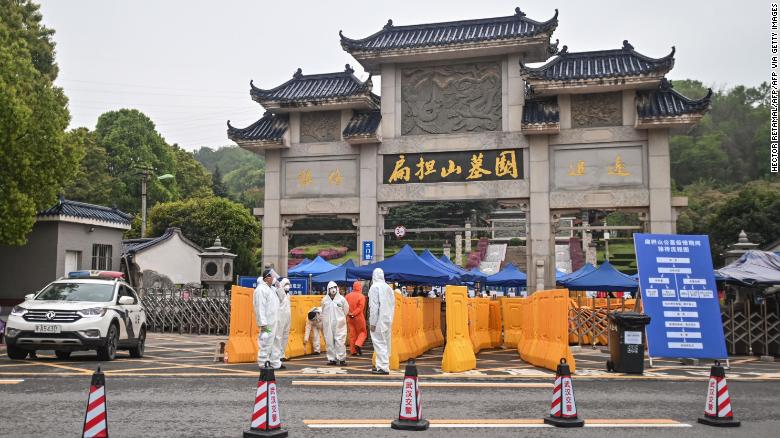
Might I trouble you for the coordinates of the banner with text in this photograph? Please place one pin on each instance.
(459, 166)
(679, 293)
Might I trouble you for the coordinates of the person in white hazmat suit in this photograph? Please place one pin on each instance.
(283, 323)
(334, 323)
(381, 307)
(266, 304)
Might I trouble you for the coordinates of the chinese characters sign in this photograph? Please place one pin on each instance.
(462, 166)
(679, 294)
(315, 177)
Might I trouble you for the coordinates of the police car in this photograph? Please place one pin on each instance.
(88, 310)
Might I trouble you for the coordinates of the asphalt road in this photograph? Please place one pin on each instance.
(221, 407)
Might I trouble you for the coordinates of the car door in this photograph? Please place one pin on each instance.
(129, 313)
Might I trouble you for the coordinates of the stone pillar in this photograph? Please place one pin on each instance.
(369, 217)
(284, 246)
(389, 90)
(379, 250)
(459, 249)
(542, 254)
(272, 221)
(513, 94)
(467, 246)
(590, 253)
(660, 186)
(448, 249)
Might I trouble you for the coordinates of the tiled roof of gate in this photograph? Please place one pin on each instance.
(83, 210)
(449, 33)
(540, 111)
(132, 246)
(317, 87)
(667, 102)
(271, 127)
(599, 64)
(363, 123)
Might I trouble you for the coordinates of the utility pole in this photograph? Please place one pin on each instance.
(144, 179)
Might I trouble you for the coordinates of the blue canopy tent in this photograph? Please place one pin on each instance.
(604, 278)
(315, 267)
(466, 276)
(406, 267)
(559, 274)
(478, 275)
(587, 268)
(339, 275)
(299, 266)
(510, 276)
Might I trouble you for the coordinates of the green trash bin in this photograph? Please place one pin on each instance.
(627, 342)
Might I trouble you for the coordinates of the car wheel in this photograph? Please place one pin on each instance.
(108, 352)
(138, 351)
(16, 353)
(64, 355)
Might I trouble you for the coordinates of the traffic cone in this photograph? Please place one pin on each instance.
(717, 408)
(96, 416)
(410, 412)
(266, 419)
(563, 410)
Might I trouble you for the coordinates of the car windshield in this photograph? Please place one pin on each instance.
(77, 292)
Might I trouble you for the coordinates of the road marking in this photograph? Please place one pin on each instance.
(429, 384)
(62, 367)
(10, 381)
(496, 423)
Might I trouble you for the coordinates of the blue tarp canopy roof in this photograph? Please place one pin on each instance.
(752, 268)
(587, 268)
(339, 275)
(315, 267)
(406, 266)
(559, 274)
(510, 276)
(299, 266)
(604, 278)
(466, 276)
(481, 276)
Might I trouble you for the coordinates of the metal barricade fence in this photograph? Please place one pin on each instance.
(752, 329)
(186, 310)
(588, 317)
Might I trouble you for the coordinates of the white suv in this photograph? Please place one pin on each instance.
(89, 310)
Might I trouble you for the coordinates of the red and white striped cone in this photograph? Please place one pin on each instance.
(410, 412)
(96, 416)
(563, 410)
(717, 408)
(266, 419)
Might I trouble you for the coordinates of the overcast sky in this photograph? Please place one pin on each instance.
(187, 63)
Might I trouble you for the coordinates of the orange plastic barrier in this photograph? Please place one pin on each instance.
(512, 316)
(299, 311)
(458, 353)
(495, 324)
(544, 336)
(242, 339)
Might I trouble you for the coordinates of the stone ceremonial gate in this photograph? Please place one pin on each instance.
(462, 116)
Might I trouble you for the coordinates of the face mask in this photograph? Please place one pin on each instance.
(332, 293)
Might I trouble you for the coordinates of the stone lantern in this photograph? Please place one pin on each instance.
(736, 250)
(216, 266)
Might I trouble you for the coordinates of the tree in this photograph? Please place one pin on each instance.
(217, 185)
(203, 219)
(92, 182)
(192, 179)
(37, 159)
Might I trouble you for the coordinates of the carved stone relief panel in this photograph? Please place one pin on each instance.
(320, 126)
(451, 98)
(595, 110)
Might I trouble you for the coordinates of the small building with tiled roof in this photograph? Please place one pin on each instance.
(66, 237)
(468, 110)
(162, 261)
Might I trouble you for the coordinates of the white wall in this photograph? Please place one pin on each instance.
(174, 258)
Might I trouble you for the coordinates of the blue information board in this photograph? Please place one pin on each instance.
(245, 281)
(679, 293)
(368, 250)
(299, 286)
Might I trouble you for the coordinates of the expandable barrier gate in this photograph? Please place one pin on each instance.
(588, 323)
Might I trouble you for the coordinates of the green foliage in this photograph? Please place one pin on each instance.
(203, 219)
(37, 157)
(243, 173)
(91, 183)
(515, 241)
(217, 186)
(191, 178)
(753, 207)
(436, 214)
(729, 145)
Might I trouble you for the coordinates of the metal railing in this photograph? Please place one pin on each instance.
(589, 320)
(752, 329)
(186, 310)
